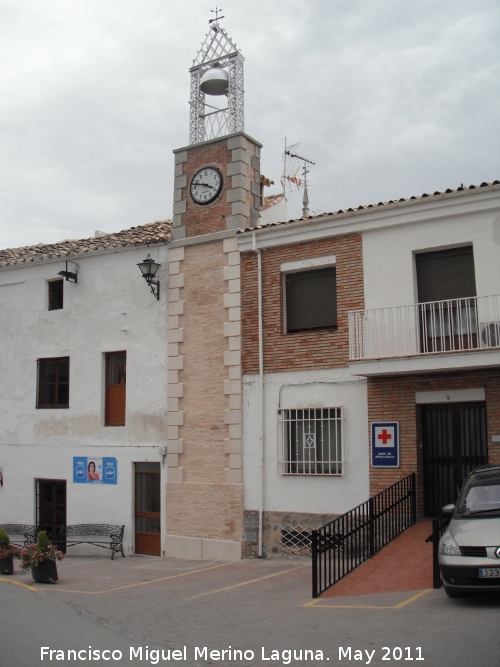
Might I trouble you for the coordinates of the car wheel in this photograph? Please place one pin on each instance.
(452, 593)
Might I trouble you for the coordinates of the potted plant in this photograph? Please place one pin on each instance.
(7, 553)
(41, 559)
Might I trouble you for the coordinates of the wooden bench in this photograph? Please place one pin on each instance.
(30, 533)
(114, 535)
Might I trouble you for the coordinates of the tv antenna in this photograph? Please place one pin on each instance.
(292, 164)
(217, 17)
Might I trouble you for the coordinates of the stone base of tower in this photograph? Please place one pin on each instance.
(201, 548)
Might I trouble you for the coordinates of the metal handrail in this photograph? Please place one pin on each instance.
(453, 325)
(343, 544)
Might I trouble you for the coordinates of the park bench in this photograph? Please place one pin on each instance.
(30, 533)
(69, 536)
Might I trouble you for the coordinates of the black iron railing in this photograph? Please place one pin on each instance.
(439, 525)
(349, 540)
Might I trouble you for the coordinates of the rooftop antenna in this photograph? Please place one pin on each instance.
(217, 17)
(305, 199)
(292, 163)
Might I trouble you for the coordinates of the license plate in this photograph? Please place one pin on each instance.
(489, 572)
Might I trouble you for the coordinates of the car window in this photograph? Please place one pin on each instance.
(480, 498)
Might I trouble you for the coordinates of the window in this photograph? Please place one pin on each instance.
(116, 377)
(445, 274)
(56, 294)
(311, 299)
(310, 441)
(446, 286)
(53, 383)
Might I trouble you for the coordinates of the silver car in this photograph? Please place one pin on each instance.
(469, 550)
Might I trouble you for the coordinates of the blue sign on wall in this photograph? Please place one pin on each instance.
(385, 444)
(95, 470)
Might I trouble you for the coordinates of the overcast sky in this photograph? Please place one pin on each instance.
(390, 98)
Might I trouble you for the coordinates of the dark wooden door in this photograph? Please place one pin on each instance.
(147, 509)
(51, 505)
(454, 440)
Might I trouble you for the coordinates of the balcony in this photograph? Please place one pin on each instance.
(427, 330)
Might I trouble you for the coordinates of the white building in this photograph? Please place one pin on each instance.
(386, 314)
(84, 382)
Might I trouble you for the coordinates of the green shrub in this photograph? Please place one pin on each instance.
(4, 539)
(43, 541)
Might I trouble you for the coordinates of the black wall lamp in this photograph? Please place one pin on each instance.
(149, 269)
(71, 276)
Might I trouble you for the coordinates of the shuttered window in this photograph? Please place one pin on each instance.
(56, 294)
(311, 300)
(53, 383)
(116, 382)
(446, 274)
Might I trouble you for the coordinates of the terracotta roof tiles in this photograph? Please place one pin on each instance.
(392, 202)
(150, 234)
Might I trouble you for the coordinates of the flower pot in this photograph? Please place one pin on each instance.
(7, 565)
(45, 572)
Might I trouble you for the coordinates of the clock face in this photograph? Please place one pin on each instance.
(206, 185)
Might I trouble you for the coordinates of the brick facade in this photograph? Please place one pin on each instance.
(327, 348)
(237, 206)
(393, 399)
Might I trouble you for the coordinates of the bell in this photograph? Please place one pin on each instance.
(215, 81)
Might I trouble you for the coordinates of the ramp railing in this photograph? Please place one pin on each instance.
(343, 544)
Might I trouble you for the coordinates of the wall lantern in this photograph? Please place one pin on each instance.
(149, 269)
(71, 273)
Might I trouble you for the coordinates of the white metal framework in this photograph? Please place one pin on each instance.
(207, 121)
(454, 325)
(310, 441)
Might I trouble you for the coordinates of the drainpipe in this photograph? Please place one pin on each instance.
(261, 390)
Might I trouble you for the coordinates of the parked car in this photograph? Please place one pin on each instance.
(469, 550)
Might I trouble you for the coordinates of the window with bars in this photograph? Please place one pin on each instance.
(310, 441)
(311, 299)
(56, 292)
(53, 383)
(116, 382)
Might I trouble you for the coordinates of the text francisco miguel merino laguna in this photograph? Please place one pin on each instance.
(154, 656)
(285, 656)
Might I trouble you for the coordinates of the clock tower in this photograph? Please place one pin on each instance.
(216, 193)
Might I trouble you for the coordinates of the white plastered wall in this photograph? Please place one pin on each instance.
(388, 254)
(307, 494)
(110, 309)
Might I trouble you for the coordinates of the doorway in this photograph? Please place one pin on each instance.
(147, 509)
(454, 443)
(51, 506)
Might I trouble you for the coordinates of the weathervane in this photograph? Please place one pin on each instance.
(217, 17)
(217, 71)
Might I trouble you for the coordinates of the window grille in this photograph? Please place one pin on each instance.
(310, 441)
(53, 383)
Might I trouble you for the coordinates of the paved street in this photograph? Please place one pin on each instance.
(253, 606)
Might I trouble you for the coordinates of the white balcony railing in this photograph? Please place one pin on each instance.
(425, 328)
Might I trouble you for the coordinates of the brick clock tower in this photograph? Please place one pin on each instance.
(216, 192)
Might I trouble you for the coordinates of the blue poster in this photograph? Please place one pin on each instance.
(385, 444)
(95, 470)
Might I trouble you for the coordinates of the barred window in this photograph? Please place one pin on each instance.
(53, 383)
(310, 441)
